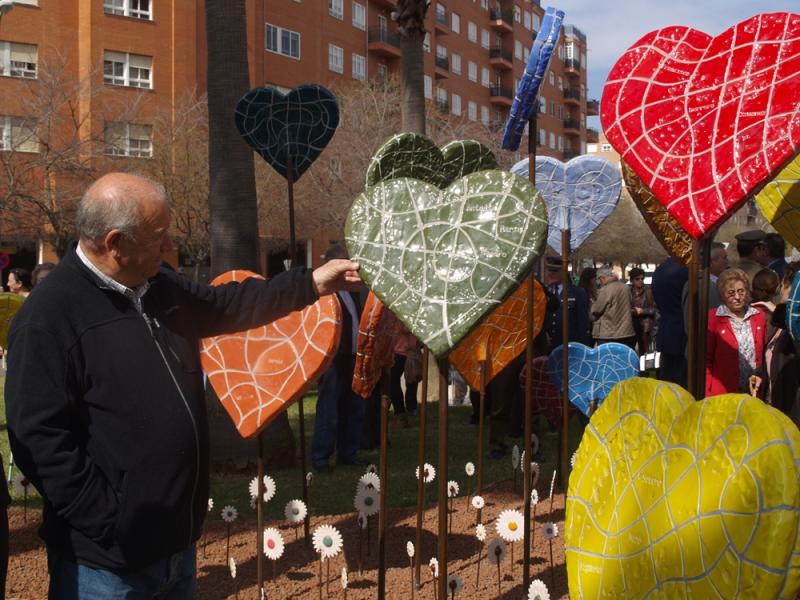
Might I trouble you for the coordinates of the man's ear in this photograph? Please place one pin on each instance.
(112, 241)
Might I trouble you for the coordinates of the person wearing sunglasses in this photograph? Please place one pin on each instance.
(736, 339)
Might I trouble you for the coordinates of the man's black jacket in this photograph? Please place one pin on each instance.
(106, 411)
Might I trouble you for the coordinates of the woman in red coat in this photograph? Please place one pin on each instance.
(736, 338)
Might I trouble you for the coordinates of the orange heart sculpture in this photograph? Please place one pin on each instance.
(260, 372)
(500, 338)
(375, 348)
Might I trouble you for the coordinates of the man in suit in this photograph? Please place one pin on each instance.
(668, 282)
(578, 307)
(339, 419)
(776, 251)
(753, 255)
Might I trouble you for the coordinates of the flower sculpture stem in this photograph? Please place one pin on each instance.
(259, 512)
(411, 570)
(481, 424)
(320, 578)
(382, 516)
(552, 569)
(480, 557)
(228, 543)
(528, 425)
(443, 458)
(423, 426)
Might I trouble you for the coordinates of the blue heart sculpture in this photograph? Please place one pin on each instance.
(579, 194)
(299, 124)
(593, 371)
(793, 309)
(535, 71)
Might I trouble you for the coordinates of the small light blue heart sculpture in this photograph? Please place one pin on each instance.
(299, 124)
(793, 309)
(579, 194)
(593, 371)
(535, 71)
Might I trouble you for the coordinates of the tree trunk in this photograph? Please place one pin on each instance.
(413, 84)
(232, 188)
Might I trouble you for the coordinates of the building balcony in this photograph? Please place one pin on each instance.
(572, 96)
(572, 66)
(502, 21)
(592, 135)
(440, 22)
(442, 70)
(570, 154)
(442, 106)
(592, 108)
(501, 59)
(501, 96)
(383, 43)
(572, 127)
(386, 3)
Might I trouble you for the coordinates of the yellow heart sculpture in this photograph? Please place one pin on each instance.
(779, 202)
(672, 498)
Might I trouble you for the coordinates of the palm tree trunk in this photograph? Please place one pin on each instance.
(413, 85)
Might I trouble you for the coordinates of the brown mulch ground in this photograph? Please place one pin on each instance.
(297, 572)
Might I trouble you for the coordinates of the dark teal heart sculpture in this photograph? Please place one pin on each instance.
(299, 124)
(442, 259)
(416, 156)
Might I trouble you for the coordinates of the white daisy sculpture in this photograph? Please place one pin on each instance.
(573, 458)
(232, 570)
(327, 541)
(295, 512)
(452, 493)
(469, 469)
(535, 472)
(550, 532)
(253, 502)
(429, 473)
(480, 532)
(496, 552)
(552, 487)
(273, 543)
(370, 480)
(510, 526)
(372, 468)
(269, 488)
(538, 590)
(309, 479)
(410, 551)
(210, 504)
(478, 503)
(229, 515)
(433, 567)
(367, 501)
(480, 537)
(344, 580)
(454, 585)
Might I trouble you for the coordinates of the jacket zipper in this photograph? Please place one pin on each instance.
(191, 418)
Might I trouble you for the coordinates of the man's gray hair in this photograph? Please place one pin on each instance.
(716, 249)
(117, 210)
(605, 272)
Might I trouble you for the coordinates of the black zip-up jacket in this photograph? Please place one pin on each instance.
(106, 411)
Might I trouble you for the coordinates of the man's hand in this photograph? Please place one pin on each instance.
(335, 275)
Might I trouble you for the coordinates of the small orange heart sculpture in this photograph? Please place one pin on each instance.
(500, 338)
(260, 372)
(375, 347)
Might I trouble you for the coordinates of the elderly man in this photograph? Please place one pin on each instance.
(104, 394)
(611, 312)
(753, 253)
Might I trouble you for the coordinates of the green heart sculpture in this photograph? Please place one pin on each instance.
(416, 156)
(442, 259)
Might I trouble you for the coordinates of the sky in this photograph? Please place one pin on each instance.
(612, 27)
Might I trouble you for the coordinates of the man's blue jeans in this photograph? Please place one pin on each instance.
(339, 418)
(172, 578)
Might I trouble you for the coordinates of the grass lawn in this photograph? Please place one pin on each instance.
(333, 492)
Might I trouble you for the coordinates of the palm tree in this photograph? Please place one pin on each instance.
(410, 18)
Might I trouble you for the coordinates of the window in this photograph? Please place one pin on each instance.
(485, 4)
(455, 22)
(542, 105)
(441, 52)
(472, 111)
(138, 9)
(336, 9)
(382, 24)
(129, 70)
(569, 51)
(552, 109)
(441, 13)
(335, 59)
(517, 14)
(560, 83)
(18, 60)
(18, 134)
(472, 32)
(359, 67)
(542, 137)
(455, 63)
(282, 41)
(472, 71)
(360, 16)
(518, 50)
(428, 87)
(383, 73)
(526, 19)
(456, 104)
(129, 139)
(485, 115)
(426, 43)
(535, 23)
(552, 78)
(561, 143)
(485, 82)
(485, 38)
(552, 140)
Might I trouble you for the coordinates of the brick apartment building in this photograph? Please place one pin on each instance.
(476, 51)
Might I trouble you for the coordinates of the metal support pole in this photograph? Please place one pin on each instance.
(564, 470)
(442, 478)
(423, 430)
(382, 516)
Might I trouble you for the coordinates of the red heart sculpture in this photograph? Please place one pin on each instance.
(260, 372)
(546, 396)
(375, 348)
(706, 121)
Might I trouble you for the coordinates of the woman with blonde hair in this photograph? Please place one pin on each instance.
(736, 339)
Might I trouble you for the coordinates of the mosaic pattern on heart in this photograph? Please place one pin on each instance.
(779, 202)
(260, 372)
(593, 371)
(416, 156)
(442, 259)
(9, 305)
(793, 309)
(706, 121)
(500, 338)
(672, 498)
(579, 194)
(663, 225)
(375, 348)
(535, 71)
(299, 124)
(546, 396)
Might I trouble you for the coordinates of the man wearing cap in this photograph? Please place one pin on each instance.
(578, 306)
(753, 254)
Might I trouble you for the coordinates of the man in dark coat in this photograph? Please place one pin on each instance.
(579, 327)
(668, 281)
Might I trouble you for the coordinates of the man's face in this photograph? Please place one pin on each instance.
(761, 254)
(140, 258)
(719, 261)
